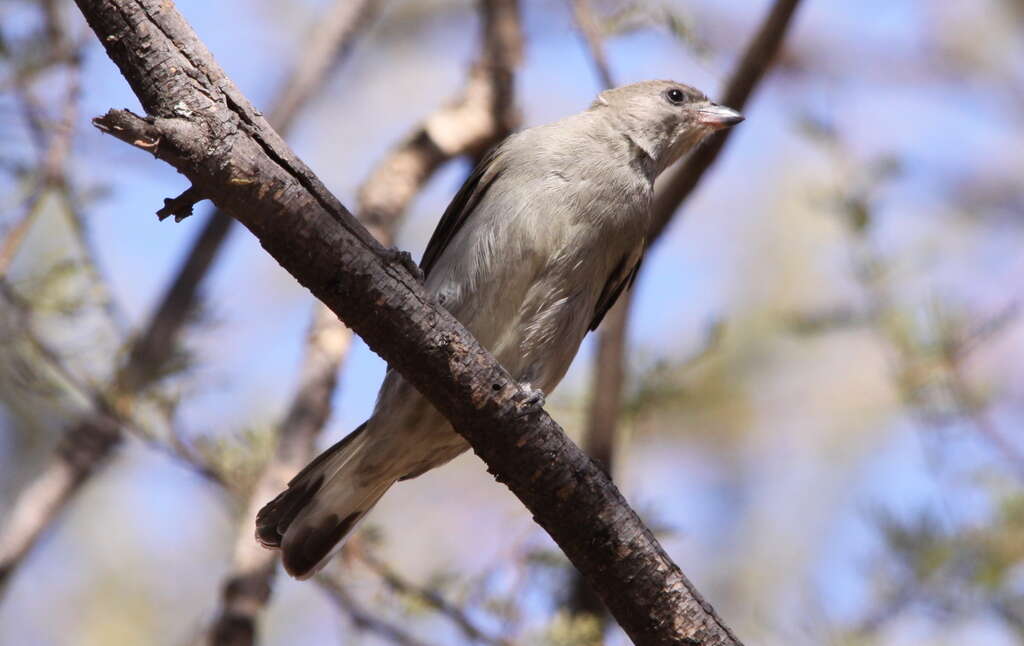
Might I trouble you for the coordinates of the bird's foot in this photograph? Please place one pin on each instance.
(533, 397)
(404, 258)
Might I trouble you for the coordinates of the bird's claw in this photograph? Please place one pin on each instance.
(404, 258)
(533, 397)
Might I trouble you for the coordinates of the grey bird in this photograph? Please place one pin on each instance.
(536, 246)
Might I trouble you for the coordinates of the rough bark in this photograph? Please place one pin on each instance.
(201, 124)
(481, 116)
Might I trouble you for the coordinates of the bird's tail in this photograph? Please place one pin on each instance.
(309, 519)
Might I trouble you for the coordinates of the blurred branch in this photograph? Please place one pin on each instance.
(247, 587)
(749, 70)
(15, 306)
(209, 131)
(481, 116)
(89, 441)
(384, 198)
(54, 144)
(328, 45)
(83, 445)
(362, 619)
(429, 597)
(974, 411)
(591, 34)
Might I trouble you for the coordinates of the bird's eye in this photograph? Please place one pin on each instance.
(675, 96)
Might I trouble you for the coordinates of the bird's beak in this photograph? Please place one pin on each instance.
(718, 116)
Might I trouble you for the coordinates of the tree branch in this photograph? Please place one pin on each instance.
(756, 59)
(362, 619)
(204, 126)
(480, 117)
(590, 31)
(431, 598)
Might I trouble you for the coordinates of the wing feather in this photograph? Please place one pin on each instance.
(618, 281)
(461, 207)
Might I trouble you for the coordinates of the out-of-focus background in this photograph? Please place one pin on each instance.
(825, 363)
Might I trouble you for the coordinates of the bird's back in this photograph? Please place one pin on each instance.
(526, 270)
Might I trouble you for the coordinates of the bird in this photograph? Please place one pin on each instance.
(543, 237)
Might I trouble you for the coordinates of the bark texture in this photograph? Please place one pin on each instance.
(201, 124)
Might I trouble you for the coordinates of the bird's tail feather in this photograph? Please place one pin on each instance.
(309, 520)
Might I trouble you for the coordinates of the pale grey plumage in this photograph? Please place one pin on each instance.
(531, 253)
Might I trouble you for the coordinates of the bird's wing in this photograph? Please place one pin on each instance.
(461, 207)
(619, 280)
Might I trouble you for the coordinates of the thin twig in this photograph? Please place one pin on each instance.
(54, 145)
(591, 33)
(456, 615)
(360, 618)
(976, 413)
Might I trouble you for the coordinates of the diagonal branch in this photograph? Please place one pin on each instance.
(202, 125)
(363, 620)
(88, 441)
(751, 68)
(430, 598)
(479, 120)
(590, 31)
(481, 116)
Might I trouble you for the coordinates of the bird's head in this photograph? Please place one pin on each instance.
(664, 119)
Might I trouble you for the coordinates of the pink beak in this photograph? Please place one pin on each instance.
(718, 116)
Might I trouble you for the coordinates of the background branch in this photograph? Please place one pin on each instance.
(400, 585)
(362, 619)
(678, 184)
